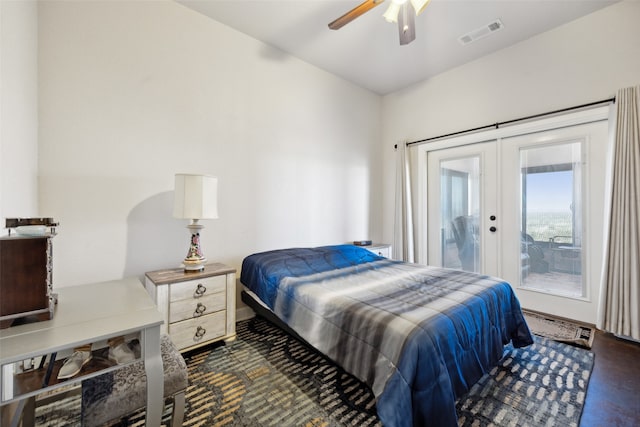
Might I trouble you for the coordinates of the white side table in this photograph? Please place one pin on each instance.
(381, 249)
(199, 307)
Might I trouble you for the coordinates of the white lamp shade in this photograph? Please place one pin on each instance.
(196, 197)
(391, 15)
(419, 5)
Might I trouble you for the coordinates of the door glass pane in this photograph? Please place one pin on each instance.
(551, 218)
(459, 210)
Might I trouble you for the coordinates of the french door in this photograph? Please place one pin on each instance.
(463, 208)
(528, 209)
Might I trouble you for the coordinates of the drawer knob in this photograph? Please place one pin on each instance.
(200, 332)
(200, 308)
(200, 290)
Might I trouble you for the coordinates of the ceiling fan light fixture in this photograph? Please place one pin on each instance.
(406, 24)
(391, 15)
(402, 12)
(419, 5)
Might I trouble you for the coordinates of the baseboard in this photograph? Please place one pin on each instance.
(244, 313)
(627, 338)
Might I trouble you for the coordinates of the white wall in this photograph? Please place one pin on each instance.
(133, 92)
(18, 110)
(583, 61)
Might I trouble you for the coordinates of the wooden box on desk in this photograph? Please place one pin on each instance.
(25, 279)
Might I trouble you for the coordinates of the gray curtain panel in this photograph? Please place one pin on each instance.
(403, 241)
(619, 310)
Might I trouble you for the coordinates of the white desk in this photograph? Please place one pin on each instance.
(89, 314)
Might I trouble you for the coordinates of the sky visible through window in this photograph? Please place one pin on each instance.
(549, 198)
(549, 191)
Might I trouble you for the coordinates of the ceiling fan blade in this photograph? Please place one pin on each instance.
(406, 24)
(363, 7)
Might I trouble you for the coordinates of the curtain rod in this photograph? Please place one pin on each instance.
(508, 122)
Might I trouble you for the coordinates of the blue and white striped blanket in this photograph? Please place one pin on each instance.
(419, 336)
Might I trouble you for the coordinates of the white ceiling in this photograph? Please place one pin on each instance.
(367, 51)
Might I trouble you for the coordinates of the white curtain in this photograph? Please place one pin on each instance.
(403, 242)
(619, 310)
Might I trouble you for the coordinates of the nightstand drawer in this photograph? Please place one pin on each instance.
(197, 307)
(196, 331)
(198, 288)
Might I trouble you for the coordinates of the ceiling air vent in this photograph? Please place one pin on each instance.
(481, 32)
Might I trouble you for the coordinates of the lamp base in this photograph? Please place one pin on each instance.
(194, 265)
(195, 260)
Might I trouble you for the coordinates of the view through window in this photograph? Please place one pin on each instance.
(551, 223)
(460, 189)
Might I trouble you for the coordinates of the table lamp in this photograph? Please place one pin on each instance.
(195, 198)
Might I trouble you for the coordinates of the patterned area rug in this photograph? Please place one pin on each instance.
(268, 378)
(559, 329)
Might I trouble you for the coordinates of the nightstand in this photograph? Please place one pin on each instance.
(381, 249)
(198, 307)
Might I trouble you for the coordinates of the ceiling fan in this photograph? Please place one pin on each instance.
(401, 11)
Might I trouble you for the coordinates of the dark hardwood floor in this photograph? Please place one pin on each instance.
(613, 396)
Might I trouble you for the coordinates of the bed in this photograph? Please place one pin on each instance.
(419, 336)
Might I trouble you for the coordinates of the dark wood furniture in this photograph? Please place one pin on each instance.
(26, 274)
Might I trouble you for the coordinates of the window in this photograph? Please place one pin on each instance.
(459, 202)
(551, 218)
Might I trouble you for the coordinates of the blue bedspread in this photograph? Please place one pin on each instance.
(419, 336)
